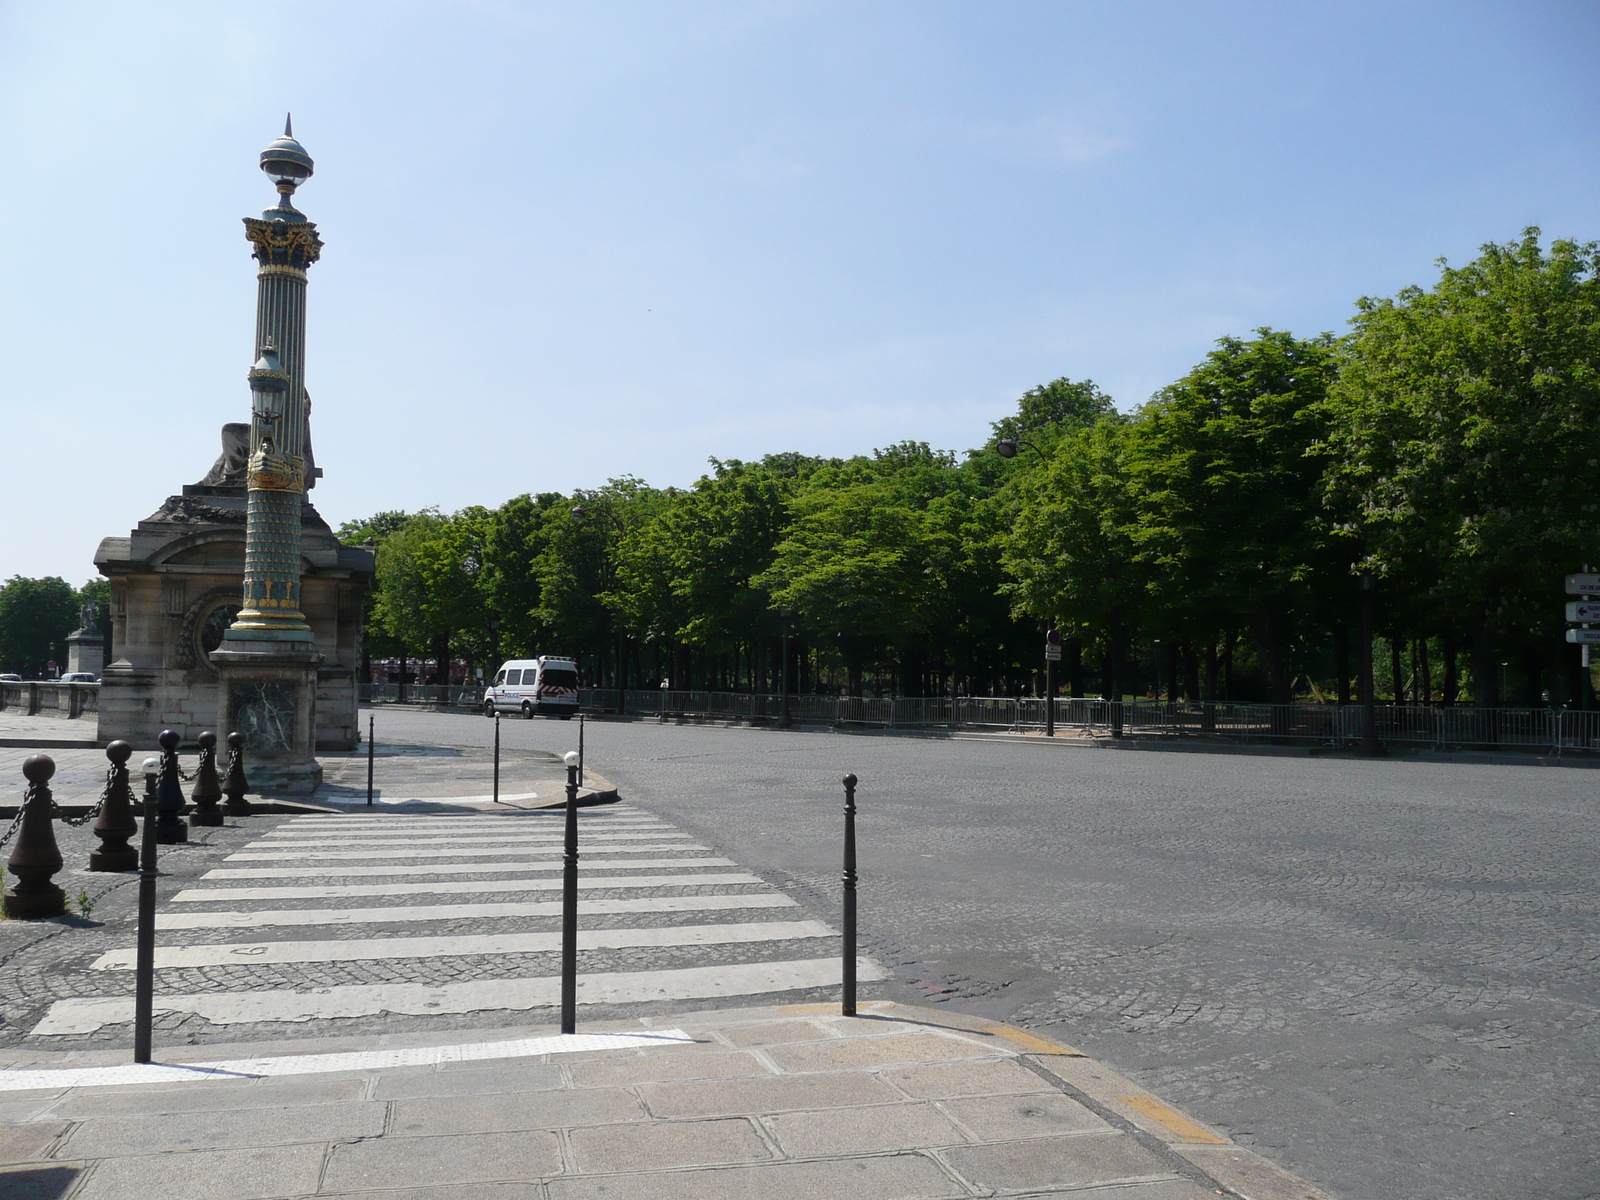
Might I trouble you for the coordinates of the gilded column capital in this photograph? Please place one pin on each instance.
(283, 243)
(271, 472)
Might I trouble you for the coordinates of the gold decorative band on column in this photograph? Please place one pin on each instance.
(282, 269)
(270, 472)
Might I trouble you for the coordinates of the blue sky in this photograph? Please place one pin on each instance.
(571, 242)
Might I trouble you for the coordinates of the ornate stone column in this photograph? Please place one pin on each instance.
(268, 658)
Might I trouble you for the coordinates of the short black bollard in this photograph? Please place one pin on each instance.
(171, 828)
(371, 751)
(207, 792)
(848, 1007)
(497, 756)
(36, 857)
(569, 903)
(144, 968)
(233, 782)
(116, 823)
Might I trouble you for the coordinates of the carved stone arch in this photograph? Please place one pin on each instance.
(189, 652)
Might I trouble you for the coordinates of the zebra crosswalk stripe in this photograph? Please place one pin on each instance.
(369, 950)
(732, 935)
(404, 914)
(549, 864)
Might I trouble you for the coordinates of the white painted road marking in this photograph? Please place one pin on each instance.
(86, 1015)
(553, 863)
(243, 1070)
(455, 887)
(372, 949)
(466, 912)
(473, 851)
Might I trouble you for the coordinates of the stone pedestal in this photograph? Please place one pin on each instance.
(269, 696)
(86, 651)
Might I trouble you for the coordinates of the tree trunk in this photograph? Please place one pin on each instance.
(1452, 681)
(1485, 667)
(1191, 674)
(1395, 683)
(1424, 671)
(1341, 659)
(1075, 667)
(441, 662)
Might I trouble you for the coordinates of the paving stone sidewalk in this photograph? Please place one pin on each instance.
(406, 777)
(777, 1103)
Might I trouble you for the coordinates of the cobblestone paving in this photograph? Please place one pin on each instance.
(1383, 974)
(49, 967)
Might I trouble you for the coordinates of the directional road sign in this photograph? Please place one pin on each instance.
(1583, 610)
(1584, 637)
(1053, 653)
(1583, 585)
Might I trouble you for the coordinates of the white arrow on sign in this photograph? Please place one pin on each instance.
(1583, 610)
(1584, 637)
(1583, 585)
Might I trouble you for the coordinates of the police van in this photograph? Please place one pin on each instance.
(534, 685)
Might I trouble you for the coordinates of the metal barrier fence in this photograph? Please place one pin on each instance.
(1553, 730)
(48, 699)
(468, 695)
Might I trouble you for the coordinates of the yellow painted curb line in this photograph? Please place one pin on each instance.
(1173, 1120)
(1031, 1043)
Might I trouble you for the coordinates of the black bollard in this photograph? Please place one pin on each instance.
(497, 756)
(207, 793)
(370, 752)
(171, 828)
(116, 823)
(35, 857)
(233, 783)
(144, 970)
(848, 1007)
(569, 903)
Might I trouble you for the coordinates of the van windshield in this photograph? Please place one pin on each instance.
(561, 677)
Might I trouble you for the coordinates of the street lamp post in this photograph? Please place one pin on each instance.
(1052, 655)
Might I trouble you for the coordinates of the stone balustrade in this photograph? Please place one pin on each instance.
(46, 699)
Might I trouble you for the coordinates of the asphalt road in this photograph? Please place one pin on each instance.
(1380, 974)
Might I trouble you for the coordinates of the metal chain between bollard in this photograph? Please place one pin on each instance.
(59, 814)
(16, 822)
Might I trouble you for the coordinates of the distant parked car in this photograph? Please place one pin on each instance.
(79, 677)
(10, 678)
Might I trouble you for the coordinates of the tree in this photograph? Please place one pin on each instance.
(1230, 491)
(517, 536)
(1466, 438)
(36, 615)
(1072, 553)
(1059, 403)
(376, 637)
(429, 585)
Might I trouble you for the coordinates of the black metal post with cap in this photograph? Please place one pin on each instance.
(848, 1003)
(497, 756)
(569, 903)
(371, 753)
(144, 971)
(1052, 655)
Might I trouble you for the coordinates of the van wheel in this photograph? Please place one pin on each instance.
(527, 711)
(488, 709)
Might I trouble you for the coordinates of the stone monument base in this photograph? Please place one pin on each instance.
(268, 694)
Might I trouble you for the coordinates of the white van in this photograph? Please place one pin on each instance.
(534, 685)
